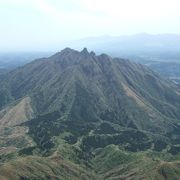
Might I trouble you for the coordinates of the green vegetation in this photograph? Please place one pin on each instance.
(88, 117)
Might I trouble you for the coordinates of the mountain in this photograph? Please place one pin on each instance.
(142, 44)
(79, 115)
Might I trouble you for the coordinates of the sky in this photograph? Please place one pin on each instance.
(37, 24)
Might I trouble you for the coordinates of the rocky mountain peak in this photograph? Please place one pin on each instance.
(85, 51)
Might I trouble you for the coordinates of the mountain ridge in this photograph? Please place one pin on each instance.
(85, 106)
(88, 66)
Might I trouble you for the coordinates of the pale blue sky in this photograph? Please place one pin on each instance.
(35, 24)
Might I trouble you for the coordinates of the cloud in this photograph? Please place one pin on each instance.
(69, 11)
(55, 20)
(133, 8)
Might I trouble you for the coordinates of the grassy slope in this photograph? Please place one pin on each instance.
(17, 113)
(94, 101)
(112, 163)
(106, 163)
(33, 167)
(12, 136)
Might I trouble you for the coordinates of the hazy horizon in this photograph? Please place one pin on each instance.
(76, 43)
(35, 25)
